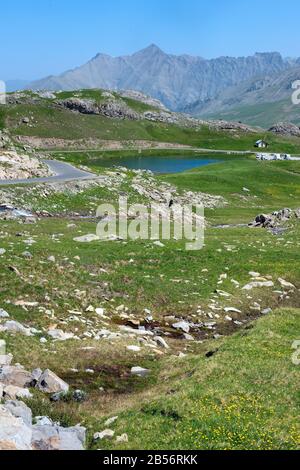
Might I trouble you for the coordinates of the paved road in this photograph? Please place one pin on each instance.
(62, 172)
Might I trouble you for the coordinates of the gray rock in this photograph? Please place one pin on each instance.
(3, 313)
(87, 238)
(161, 342)
(258, 285)
(182, 325)
(14, 433)
(51, 383)
(140, 371)
(122, 439)
(6, 359)
(16, 327)
(16, 376)
(60, 335)
(19, 410)
(106, 434)
(52, 437)
(11, 392)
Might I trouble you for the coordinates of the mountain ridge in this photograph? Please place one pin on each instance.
(178, 81)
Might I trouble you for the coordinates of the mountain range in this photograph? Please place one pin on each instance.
(222, 87)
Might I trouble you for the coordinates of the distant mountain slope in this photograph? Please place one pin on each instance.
(177, 81)
(259, 101)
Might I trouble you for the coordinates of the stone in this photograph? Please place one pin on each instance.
(43, 421)
(111, 421)
(51, 259)
(258, 285)
(16, 376)
(49, 382)
(106, 434)
(19, 410)
(133, 348)
(140, 371)
(16, 327)
(14, 433)
(87, 238)
(35, 376)
(12, 392)
(231, 310)
(161, 342)
(2, 251)
(286, 285)
(60, 335)
(122, 439)
(52, 437)
(266, 311)
(159, 244)
(183, 325)
(6, 359)
(3, 313)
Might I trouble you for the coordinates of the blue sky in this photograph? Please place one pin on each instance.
(43, 37)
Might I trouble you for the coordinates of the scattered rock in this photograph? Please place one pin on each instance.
(106, 434)
(3, 313)
(6, 359)
(60, 335)
(161, 342)
(16, 376)
(286, 285)
(16, 327)
(87, 238)
(183, 325)
(122, 439)
(140, 371)
(15, 434)
(53, 437)
(51, 383)
(19, 410)
(12, 392)
(111, 421)
(258, 285)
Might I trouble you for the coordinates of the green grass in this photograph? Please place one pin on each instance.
(243, 398)
(52, 122)
(272, 186)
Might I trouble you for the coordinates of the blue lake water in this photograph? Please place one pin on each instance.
(158, 164)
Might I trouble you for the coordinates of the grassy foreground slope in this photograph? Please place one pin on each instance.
(245, 397)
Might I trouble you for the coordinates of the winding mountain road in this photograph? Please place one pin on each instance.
(62, 172)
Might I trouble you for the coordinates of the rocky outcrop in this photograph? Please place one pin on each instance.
(286, 129)
(17, 432)
(112, 109)
(21, 166)
(275, 219)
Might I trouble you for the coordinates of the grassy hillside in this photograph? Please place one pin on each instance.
(48, 120)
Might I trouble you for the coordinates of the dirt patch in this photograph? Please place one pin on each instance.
(94, 144)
